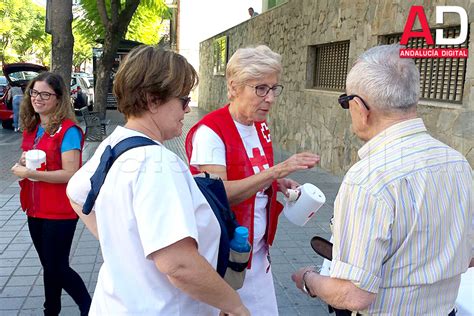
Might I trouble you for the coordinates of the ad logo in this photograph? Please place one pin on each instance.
(418, 11)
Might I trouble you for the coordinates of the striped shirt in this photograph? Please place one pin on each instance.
(403, 222)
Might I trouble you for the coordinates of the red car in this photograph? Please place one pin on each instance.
(17, 74)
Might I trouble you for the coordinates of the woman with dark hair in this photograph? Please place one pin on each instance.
(158, 235)
(49, 125)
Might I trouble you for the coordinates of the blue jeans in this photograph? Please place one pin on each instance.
(16, 110)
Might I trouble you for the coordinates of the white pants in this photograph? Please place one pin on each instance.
(258, 292)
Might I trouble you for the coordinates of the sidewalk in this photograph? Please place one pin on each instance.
(21, 283)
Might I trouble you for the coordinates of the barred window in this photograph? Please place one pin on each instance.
(220, 55)
(328, 66)
(441, 79)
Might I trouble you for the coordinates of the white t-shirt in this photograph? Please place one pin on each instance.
(209, 149)
(149, 201)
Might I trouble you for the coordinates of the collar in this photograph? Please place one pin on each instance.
(390, 134)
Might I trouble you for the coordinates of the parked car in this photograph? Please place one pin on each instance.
(90, 77)
(17, 74)
(3, 85)
(82, 92)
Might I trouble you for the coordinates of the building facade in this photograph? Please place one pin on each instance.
(319, 40)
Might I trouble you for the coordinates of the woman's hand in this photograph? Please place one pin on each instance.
(21, 171)
(296, 162)
(22, 160)
(190, 272)
(243, 311)
(285, 184)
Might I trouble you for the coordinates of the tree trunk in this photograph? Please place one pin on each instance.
(115, 29)
(62, 38)
(104, 72)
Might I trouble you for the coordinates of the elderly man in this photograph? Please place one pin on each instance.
(403, 215)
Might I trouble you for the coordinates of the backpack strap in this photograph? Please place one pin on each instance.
(106, 161)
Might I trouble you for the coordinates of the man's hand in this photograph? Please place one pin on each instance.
(339, 293)
(297, 277)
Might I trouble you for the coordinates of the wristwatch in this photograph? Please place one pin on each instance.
(304, 287)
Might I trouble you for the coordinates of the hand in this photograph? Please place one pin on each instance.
(22, 160)
(20, 171)
(297, 276)
(296, 162)
(241, 311)
(285, 184)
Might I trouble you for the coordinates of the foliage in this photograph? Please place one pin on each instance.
(43, 53)
(22, 35)
(145, 27)
(111, 21)
(82, 46)
(147, 24)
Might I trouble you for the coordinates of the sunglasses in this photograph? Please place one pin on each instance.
(185, 102)
(344, 100)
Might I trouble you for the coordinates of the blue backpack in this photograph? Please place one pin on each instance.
(212, 189)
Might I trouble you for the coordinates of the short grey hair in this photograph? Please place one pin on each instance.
(385, 80)
(252, 63)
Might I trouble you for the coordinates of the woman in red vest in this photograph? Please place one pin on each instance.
(49, 125)
(234, 142)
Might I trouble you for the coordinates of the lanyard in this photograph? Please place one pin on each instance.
(38, 137)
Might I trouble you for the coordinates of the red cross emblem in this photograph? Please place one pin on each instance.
(258, 161)
(266, 132)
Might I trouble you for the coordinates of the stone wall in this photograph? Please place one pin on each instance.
(308, 119)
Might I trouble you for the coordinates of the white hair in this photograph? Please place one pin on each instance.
(252, 63)
(385, 80)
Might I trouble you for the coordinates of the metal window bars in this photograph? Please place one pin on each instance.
(441, 79)
(331, 63)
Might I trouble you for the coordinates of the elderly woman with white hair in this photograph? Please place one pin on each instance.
(234, 142)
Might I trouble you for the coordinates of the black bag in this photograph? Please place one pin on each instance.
(212, 189)
(322, 247)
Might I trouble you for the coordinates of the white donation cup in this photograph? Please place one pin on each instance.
(310, 199)
(35, 160)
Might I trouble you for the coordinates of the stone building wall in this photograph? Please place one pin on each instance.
(309, 119)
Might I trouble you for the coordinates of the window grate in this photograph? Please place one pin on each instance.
(441, 79)
(331, 61)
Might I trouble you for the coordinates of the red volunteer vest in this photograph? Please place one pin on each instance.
(238, 166)
(42, 199)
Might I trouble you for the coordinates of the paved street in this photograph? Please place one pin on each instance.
(21, 290)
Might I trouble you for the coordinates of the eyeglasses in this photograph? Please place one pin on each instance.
(344, 100)
(185, 102)
(262, 89)
(43, 95)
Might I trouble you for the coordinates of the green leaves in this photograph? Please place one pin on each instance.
(146, 25)
(82, 46)
(22, 35)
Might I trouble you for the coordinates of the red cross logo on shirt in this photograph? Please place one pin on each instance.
(266, 132)
(258, 160)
